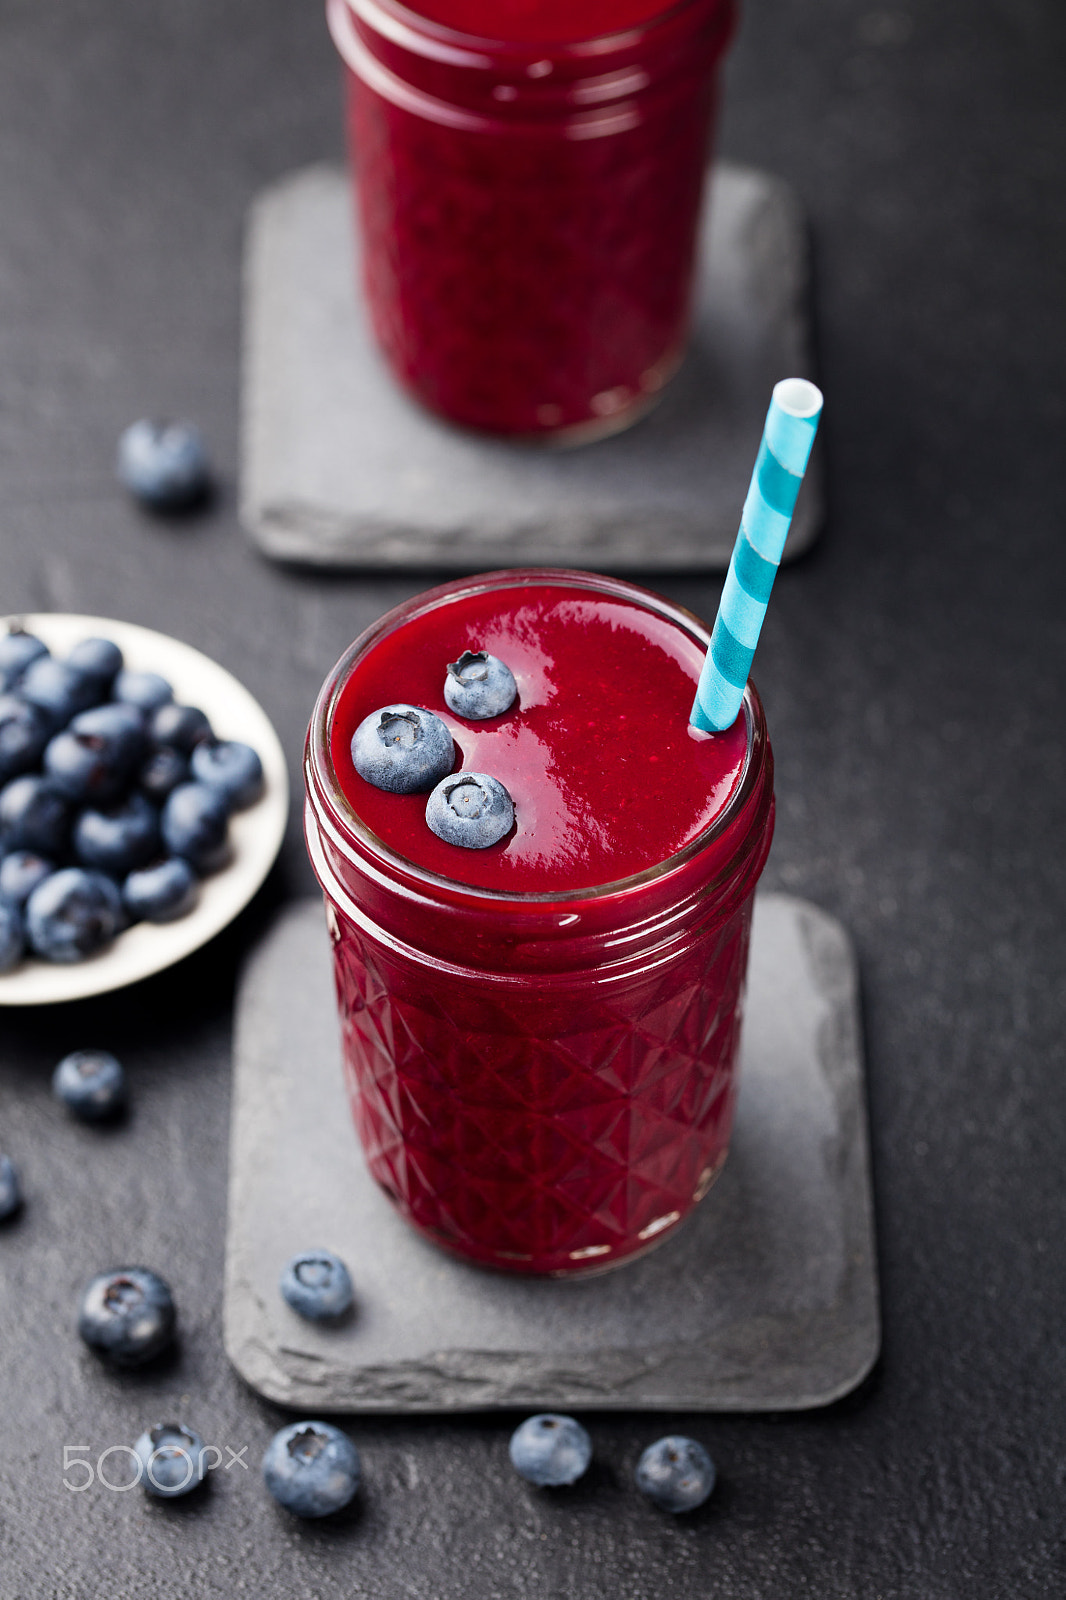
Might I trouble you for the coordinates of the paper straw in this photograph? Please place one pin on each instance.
(791, 424)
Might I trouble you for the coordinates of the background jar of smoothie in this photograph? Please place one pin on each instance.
(540, 1038)
(529, 176)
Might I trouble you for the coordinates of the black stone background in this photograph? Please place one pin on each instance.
(912, 668)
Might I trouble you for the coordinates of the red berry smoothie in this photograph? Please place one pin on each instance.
(528, 179)
(540, 1036)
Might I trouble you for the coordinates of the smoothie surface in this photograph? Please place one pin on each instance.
(606, 775)
(539, 21)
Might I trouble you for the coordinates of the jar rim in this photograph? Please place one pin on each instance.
(323, 782)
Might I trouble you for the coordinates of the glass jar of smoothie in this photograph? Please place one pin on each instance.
(528, 177)
(540, 1037)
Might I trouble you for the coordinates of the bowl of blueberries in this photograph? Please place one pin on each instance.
(143, 799)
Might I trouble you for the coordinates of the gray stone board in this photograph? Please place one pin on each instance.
(339, 468)
(766, 1299)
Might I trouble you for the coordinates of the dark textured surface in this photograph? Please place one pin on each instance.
(912, 668)
(772, 1284)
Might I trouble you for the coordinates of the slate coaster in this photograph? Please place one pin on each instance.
(340, 469)
(765, 1299)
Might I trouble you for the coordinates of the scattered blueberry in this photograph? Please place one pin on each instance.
(127, 1315)
(24, 732)
(161, 773)
(162, 891)
(145, 690)
(92, 1084)
(73, 914)
(403, 749)
(17, 650)
(316, 1284)
(164, 464)
(20, 873)
(550, 1450)
(12, 936)
(479, 685)
(232, 768)
(676, 1473)
(181, 727)
(194, 826)
(471, 809)
(10, 1188)
(34, 815)
(311, 1468)
(173, 1459)
(91, 759)
(99, 659)
(119, 839)
(59, 690)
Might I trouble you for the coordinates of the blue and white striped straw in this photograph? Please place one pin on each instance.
(791, 424)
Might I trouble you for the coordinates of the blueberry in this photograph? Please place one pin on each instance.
(20, 873)
(173, 1459)
(403, 749)
(145, 690)
(99, 659)
(181, 727)
(161, 773)
(194, 826)
(34, 815)
(471, 809)
(73, 914)
(10, 1188)
(162, 891)
(232, 768)
(311, 1468)
(550, 1450)
(316, 1284)
(58, 689)
(118, 839)
(24, 731)
(479, 685)
(127, 1315)
(676, 1473)
(90, 760)
(92, 1084)
(12, 936)
(164, 464)
(17, 650)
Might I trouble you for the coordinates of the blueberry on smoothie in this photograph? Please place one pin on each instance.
(162, 891)
(317, 1285)
(404, 749)
(676, 1473)
(73, 914)
(34, 815)
(232, 768)
(117, 839)
(471, 809)
(10, 1188)
(17, 650)
(145, 690)
(550, 1451)
(99, 659)
(311, 1468)
(20, 873)
(24, 732)
(58, 689)
(194, 824)
(173, 1459)
(164, 464)
(127, 1315)
(91, 1084)
(12, 936)
(479, 685)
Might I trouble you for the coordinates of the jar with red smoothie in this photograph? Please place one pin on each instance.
(540, 1037)
(528, 177)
